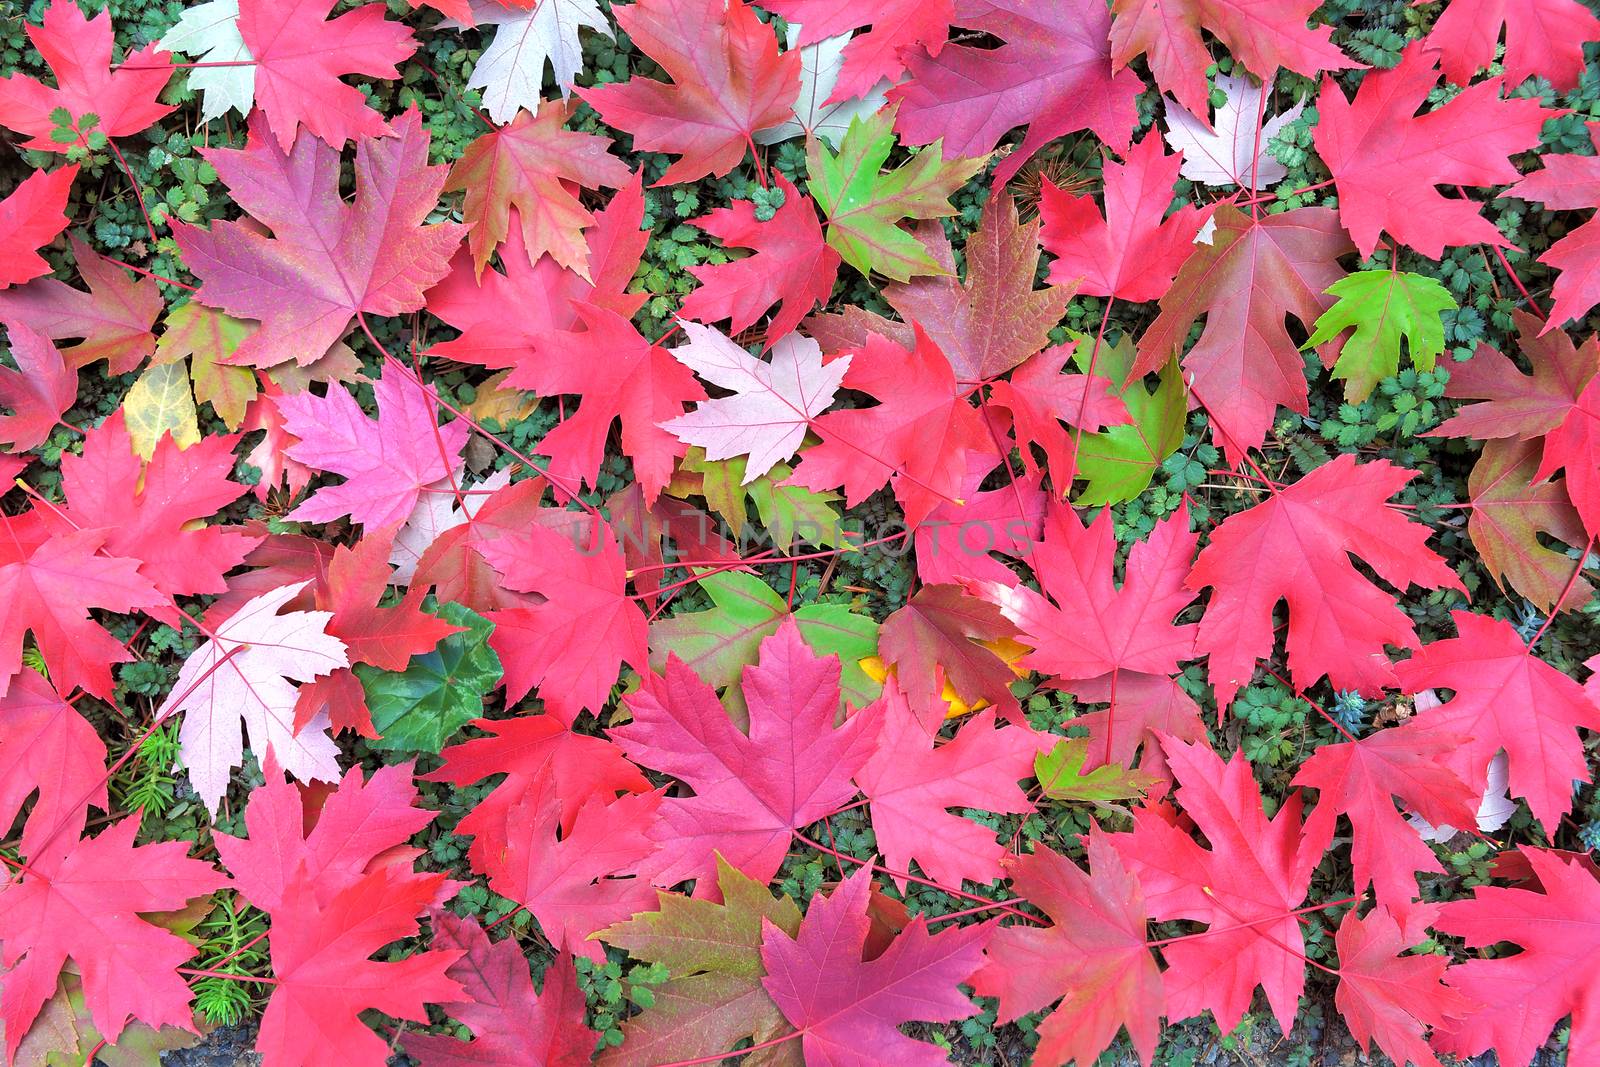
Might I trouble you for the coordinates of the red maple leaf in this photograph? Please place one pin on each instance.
(1296, 546)
(1522, 997)
(387, 462)
(48, 584)
(1559, 402)
(279, 560)
(1088, 626)
(322, 946)
(1569, 182)
(1361, 779)
(522, 173)
(47, 748)
(38, 392)
(30, 218)
(300, 54)
(750, 790)
(1575, 446)
(728, 81)
(1514, 404)
(82, 900)
(1252, 274)
(78, 50)
(359, 827)
(1121, 650)
(511, 1025)
(792, 266)
(1245, 886)
(326, 261)
(849, 1010)
(1388, 997)
(573, 645)
(586, 880)
(113, 318)
(911, 781)
(384, 636)
(338, 885)
(1263, 37)
(340, 696)
(1543, 37)
(918, 437)
(544, 293)
(898, 27)
(1386, 160)
(1514, 867)
(1506, 698)
(1040, 398)
(152, 511)
(1053, 72)
(1094, 958)
(1132, 253)
(620, 376)
(534, 752)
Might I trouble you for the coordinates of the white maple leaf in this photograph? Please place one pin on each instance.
(209, 33)
(1226, 154)
(772, 405)
(511, 70)
(820, 64)
(242, 677)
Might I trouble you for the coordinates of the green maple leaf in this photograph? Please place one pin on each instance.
(864, 205)
(789, 513)
(1120, 461)
(420, 708)
(720, 642)
(205, 336)
(1061, 776)
(713, 996)
(1382, 307)
(793, 513)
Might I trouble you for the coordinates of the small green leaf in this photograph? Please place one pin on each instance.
(793, 513)
(1120, 461)
(1061, 777)
(420, 708)
(789, 513)
(1382, 307)
(864, 206)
